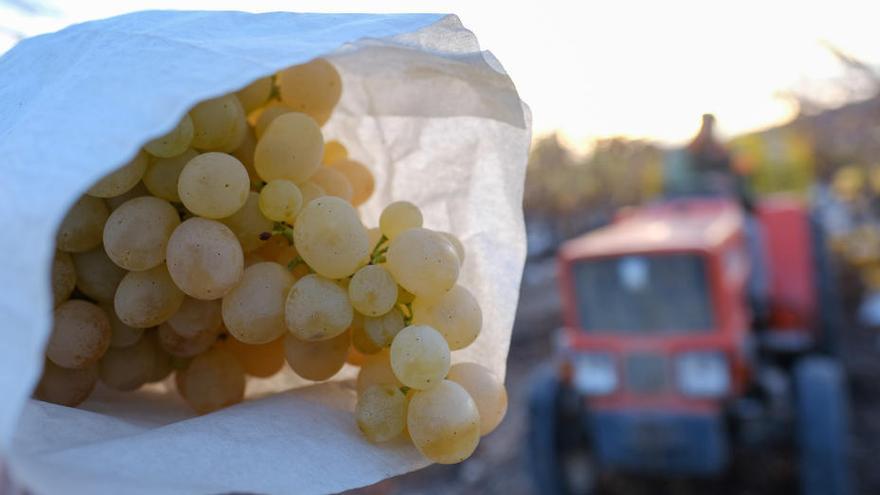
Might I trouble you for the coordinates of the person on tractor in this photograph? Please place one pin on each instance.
(713, 174)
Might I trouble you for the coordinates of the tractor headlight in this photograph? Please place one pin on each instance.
(703, 374)
(594, 373)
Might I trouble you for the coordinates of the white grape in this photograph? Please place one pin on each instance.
(213, 185)
(204, 258)
(314, 88)
(254, 310)
(330, 237)
(317, 309)
(372, 290)
(122, 179)
(219, 124)
(80, 334)
(317, 360)
(398, 217)
(419, 357)
(487, 391)
(381, 412)
(455, 314)
(444, 423)
(174, 142)
(97, 276)
(148, 298)
(290, 148)
(83, 226)
(136, 234)
(281, 200)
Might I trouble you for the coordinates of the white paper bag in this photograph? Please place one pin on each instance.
(437, 121)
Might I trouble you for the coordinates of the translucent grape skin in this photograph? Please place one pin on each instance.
(419, 357)
(163, 174)
(372, 291)
(313, 88)
(254, 311)
(381, 330)
(146, 299)
(121, 334)
(333, 182)
(64, 386)
(83, 226)
(196, 317)
(330, 237)
(398, 217)
(456, 244)
(444, 423)
(423, 262)
(290, 148)
(63, 277)
(455, 314)
(317, 360)
(122, 179)
(96, 275)
(333, 152)
(280, 201)
(204, 258)
(213, 380)
(359, 177)
(248, 223)
(488, 393)
(267, 115)
(136, 234)
(128, 368)
(376, 369)
(255, 94)
(213, 185)
(317, 309)
(260, 360)
(219, 124)
(80, 335)
(381, 412)
(185, 347)
(173, 143)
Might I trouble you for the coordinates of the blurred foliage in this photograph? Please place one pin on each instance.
(615, 173)
(777, 160)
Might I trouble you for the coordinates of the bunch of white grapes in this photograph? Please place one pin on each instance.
(233, 244)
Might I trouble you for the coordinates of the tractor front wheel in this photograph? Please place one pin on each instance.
(822, 427)
(559, 455)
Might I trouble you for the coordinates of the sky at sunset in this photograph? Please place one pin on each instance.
(596, 69)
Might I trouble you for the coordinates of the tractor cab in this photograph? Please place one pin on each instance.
(664, 363)
(653, 305)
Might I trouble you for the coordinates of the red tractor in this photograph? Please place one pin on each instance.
(673, 357)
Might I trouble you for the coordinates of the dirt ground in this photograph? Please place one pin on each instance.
(499, 464)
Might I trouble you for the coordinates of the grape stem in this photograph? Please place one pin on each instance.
(295, 262)
(407, 311)
(378, 254)
(404, 389)
(275, 93)
(282, 228)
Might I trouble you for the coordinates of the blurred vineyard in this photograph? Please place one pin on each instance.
(828, 154)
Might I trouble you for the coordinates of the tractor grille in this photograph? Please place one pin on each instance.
(646, 373)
